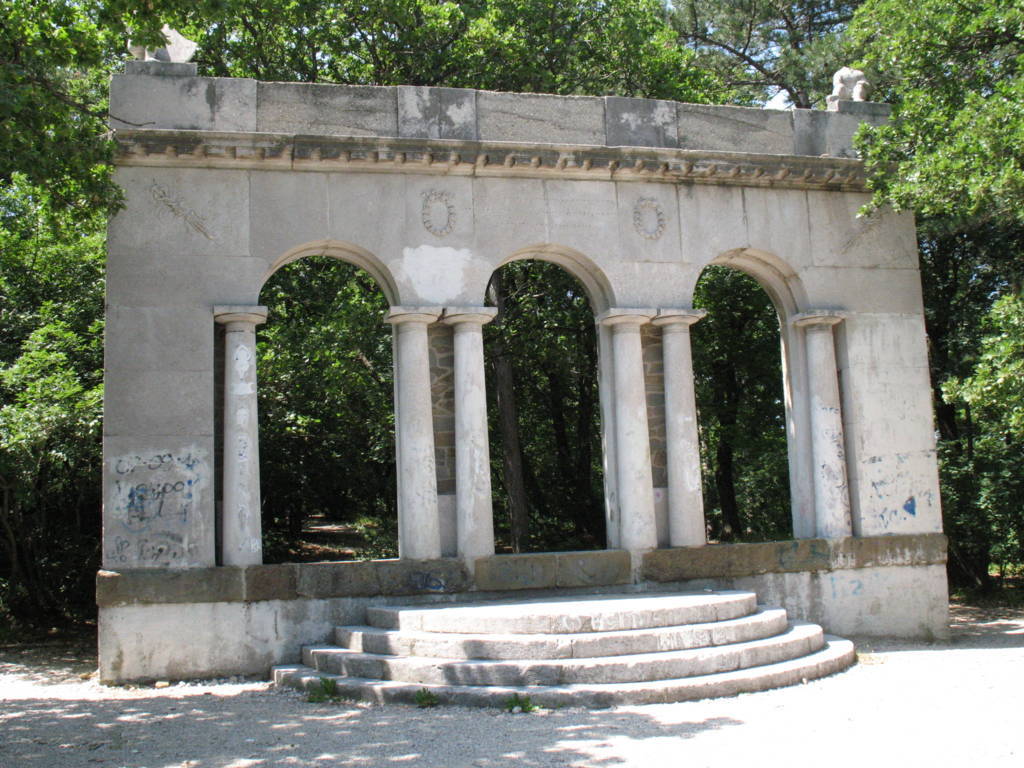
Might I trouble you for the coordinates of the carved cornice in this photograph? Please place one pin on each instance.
(361, 154)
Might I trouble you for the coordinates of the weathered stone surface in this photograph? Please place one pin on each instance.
(183, 103)
(436, 113)
(553, 615)
(271, 582)
(640, 122)
(406, 577)
(741, 128)
(540, 118)
(758, 625)
(161, 68)
(500, 572)
(326, 109)
(835, 656)
(592, 569)
(798, 556)
(194, 585)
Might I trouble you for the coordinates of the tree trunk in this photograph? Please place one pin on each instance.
(508, 421)
(512, 457)
(726, 487)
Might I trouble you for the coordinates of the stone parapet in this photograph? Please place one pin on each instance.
(170, 96)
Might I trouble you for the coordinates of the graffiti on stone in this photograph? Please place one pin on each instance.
(152, 499)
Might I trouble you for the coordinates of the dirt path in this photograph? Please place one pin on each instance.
(905, 704)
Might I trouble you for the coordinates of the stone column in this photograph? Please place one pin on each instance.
(685, 500)
(831, 492)
(638, 530)
(241, 524)
(419, 529)
(473, 512)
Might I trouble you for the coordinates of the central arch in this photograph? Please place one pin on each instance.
(550, 469)
(326, 405)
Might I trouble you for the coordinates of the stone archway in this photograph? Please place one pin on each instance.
(228, 175)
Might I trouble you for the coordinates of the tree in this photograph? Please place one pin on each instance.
(762, 48)
(993, 398)
(954, 73)
(547, 46)
(51, 369)
(542, 381)
(738, 380)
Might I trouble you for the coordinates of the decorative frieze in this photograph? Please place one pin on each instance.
(262, 151)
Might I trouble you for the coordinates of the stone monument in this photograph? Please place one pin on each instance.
(430, 190)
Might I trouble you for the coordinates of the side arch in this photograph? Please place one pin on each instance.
(593, 279)
(779, 280)
(343, 251)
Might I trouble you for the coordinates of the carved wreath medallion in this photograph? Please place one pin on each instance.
(648, 218)
(438, 212)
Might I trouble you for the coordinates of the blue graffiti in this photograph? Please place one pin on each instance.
(910, 506)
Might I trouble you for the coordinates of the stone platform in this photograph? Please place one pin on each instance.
(592, 651)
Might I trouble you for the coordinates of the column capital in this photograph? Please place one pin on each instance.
(619, 316)
(678, 318)
(818, 318)
(240, 313)
(474, 315)
(401, 315)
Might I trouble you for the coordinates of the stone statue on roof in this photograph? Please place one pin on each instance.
(179, 49)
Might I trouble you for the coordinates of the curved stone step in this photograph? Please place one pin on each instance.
(574, 614)
(764, 622)
(800, 639)
(836, 655)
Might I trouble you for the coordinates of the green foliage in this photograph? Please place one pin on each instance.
(55, 61)
(425, 699)
(955, 75)
(995, 389)
(325, 690)
(761, 48)
(994, 395)
(551, 46)
(964, 270)
(51, 361)
(517, 704)
(738, 380)
(325, 399)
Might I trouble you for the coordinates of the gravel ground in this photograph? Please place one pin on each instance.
(904, 704)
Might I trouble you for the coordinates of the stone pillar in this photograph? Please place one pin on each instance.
(828, 454)
(419, 530)
(473, 512)
(638, 529)
(241, 524)
(685, 500)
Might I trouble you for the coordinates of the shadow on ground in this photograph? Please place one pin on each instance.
(134, 733)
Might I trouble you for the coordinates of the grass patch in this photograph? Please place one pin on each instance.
(517, 704)
(425, 699)
(326, 690)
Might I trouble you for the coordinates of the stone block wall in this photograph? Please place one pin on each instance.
(442, 391)
(654, 382)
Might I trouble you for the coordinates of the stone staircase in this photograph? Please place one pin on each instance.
(593, 651)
